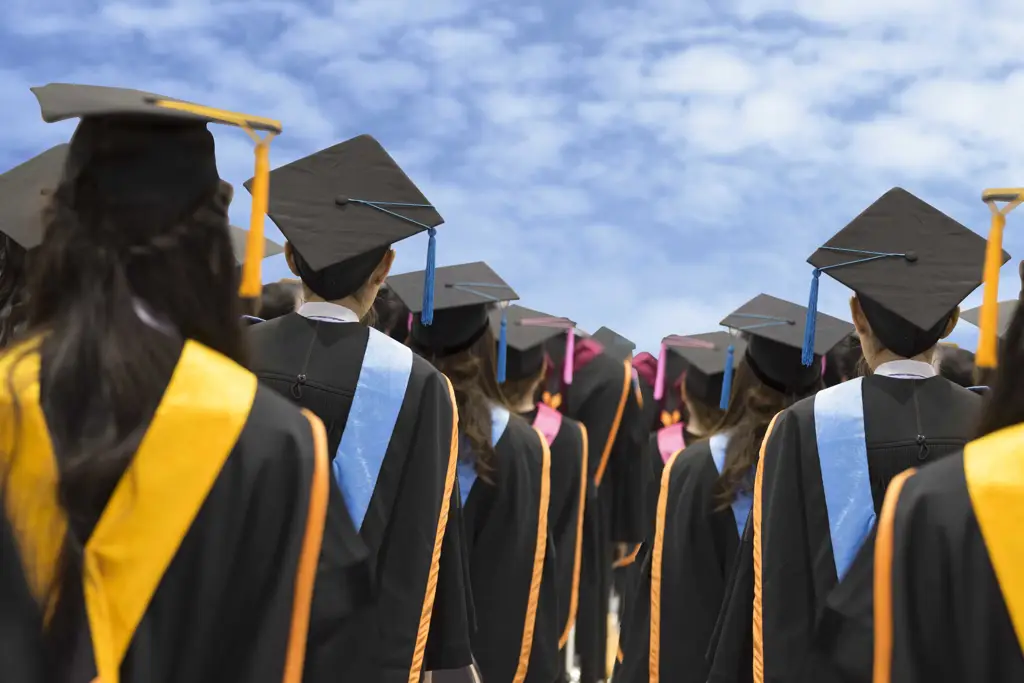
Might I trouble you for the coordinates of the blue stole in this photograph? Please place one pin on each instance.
(843, 455)
(378, 398)
(466, 469)
(741, 505)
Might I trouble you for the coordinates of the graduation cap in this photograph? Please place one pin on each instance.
(464, 296)
(614, 344)
(138, 147)
(23, 192)
(240, 241)
(706, 357)
(350, 200)
(775, 337)
(1004, 311)
(526, 332)
(904, 255)
(1010, 198)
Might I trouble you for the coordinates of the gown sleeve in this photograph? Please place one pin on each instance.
(729, 654)
(21, 624)
(629, 475)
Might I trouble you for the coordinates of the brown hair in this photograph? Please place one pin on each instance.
(473, 376)
(752, 406)
(518, 390)
(707, 414)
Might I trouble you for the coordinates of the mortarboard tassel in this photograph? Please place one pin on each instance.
(807, 357)
(427, 315)
(659, 377)
(503, 345)
(988, 345)
(251, 286)
(723, 402)
(408, 323)
(568, 365)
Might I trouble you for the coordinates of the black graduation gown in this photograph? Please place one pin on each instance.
(949, 558)
(907, 422)
(691, 555)
(211, 575)
(399, 465)
(512, 559)
(630, 569)
(602, 397)
(565, 514)
(21, 622)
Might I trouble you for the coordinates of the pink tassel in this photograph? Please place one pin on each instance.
(570, 353)
(659, 379)
(822, 365)
(408, 323)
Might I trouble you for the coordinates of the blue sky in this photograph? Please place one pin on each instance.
(647, 164)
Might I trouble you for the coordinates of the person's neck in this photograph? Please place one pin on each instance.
(886, 356)
(350, 302)
(525, 405)
(694, 425)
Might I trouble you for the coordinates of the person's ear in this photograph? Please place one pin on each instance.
(953, 320)
(860, 321)
(383, 269)
(289, 257)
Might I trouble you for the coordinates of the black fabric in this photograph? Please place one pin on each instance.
(502, 522)
(454, 329)
(781, 321)
(339, 280)
(699, 544)
(128, 164)
(317, 365)
(467, 284)
(907, 423)
(899, 335)
(21, 621)
(524, 364)
(779, 366)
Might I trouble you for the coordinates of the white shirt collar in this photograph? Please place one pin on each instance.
(325, 311)
(906, 369)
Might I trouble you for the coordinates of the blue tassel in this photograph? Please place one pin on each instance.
(427, 315)
(502, 345)
(723, 402)
(812, 319)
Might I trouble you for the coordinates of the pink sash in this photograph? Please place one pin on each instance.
(671, 440)
(548, 421)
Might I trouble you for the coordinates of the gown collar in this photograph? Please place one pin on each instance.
(325, 311)
(906, 369)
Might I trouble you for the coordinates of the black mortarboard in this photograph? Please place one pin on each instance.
(775, 336)
(907, 257)
(136, 148)
(347, 201)
(1006, 310)
(615, 345)
(707, 357)
(23, 193)
(464, 295)
(527, 331)
(240, 240)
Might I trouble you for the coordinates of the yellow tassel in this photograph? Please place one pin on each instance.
(987, 355)
(252, 282)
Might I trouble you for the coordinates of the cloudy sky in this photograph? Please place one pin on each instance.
(643, 164)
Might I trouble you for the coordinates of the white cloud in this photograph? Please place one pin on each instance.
(645, 164)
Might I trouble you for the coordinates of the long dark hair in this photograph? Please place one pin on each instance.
(113, 303)
(473, 376)
(751, 409)
(13, 265)
(1004, 405)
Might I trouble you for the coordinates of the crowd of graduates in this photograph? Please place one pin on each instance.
(355, 475)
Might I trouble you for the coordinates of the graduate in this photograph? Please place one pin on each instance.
(504, 476)
(698, 394)
(171, 514)
(704, 493)
(947, 600)
(526, 361)
(826, 461)
(594, 385)
(390, 417)
(23, 193)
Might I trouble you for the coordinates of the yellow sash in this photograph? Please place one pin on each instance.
(194, 430)
(994, 468)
